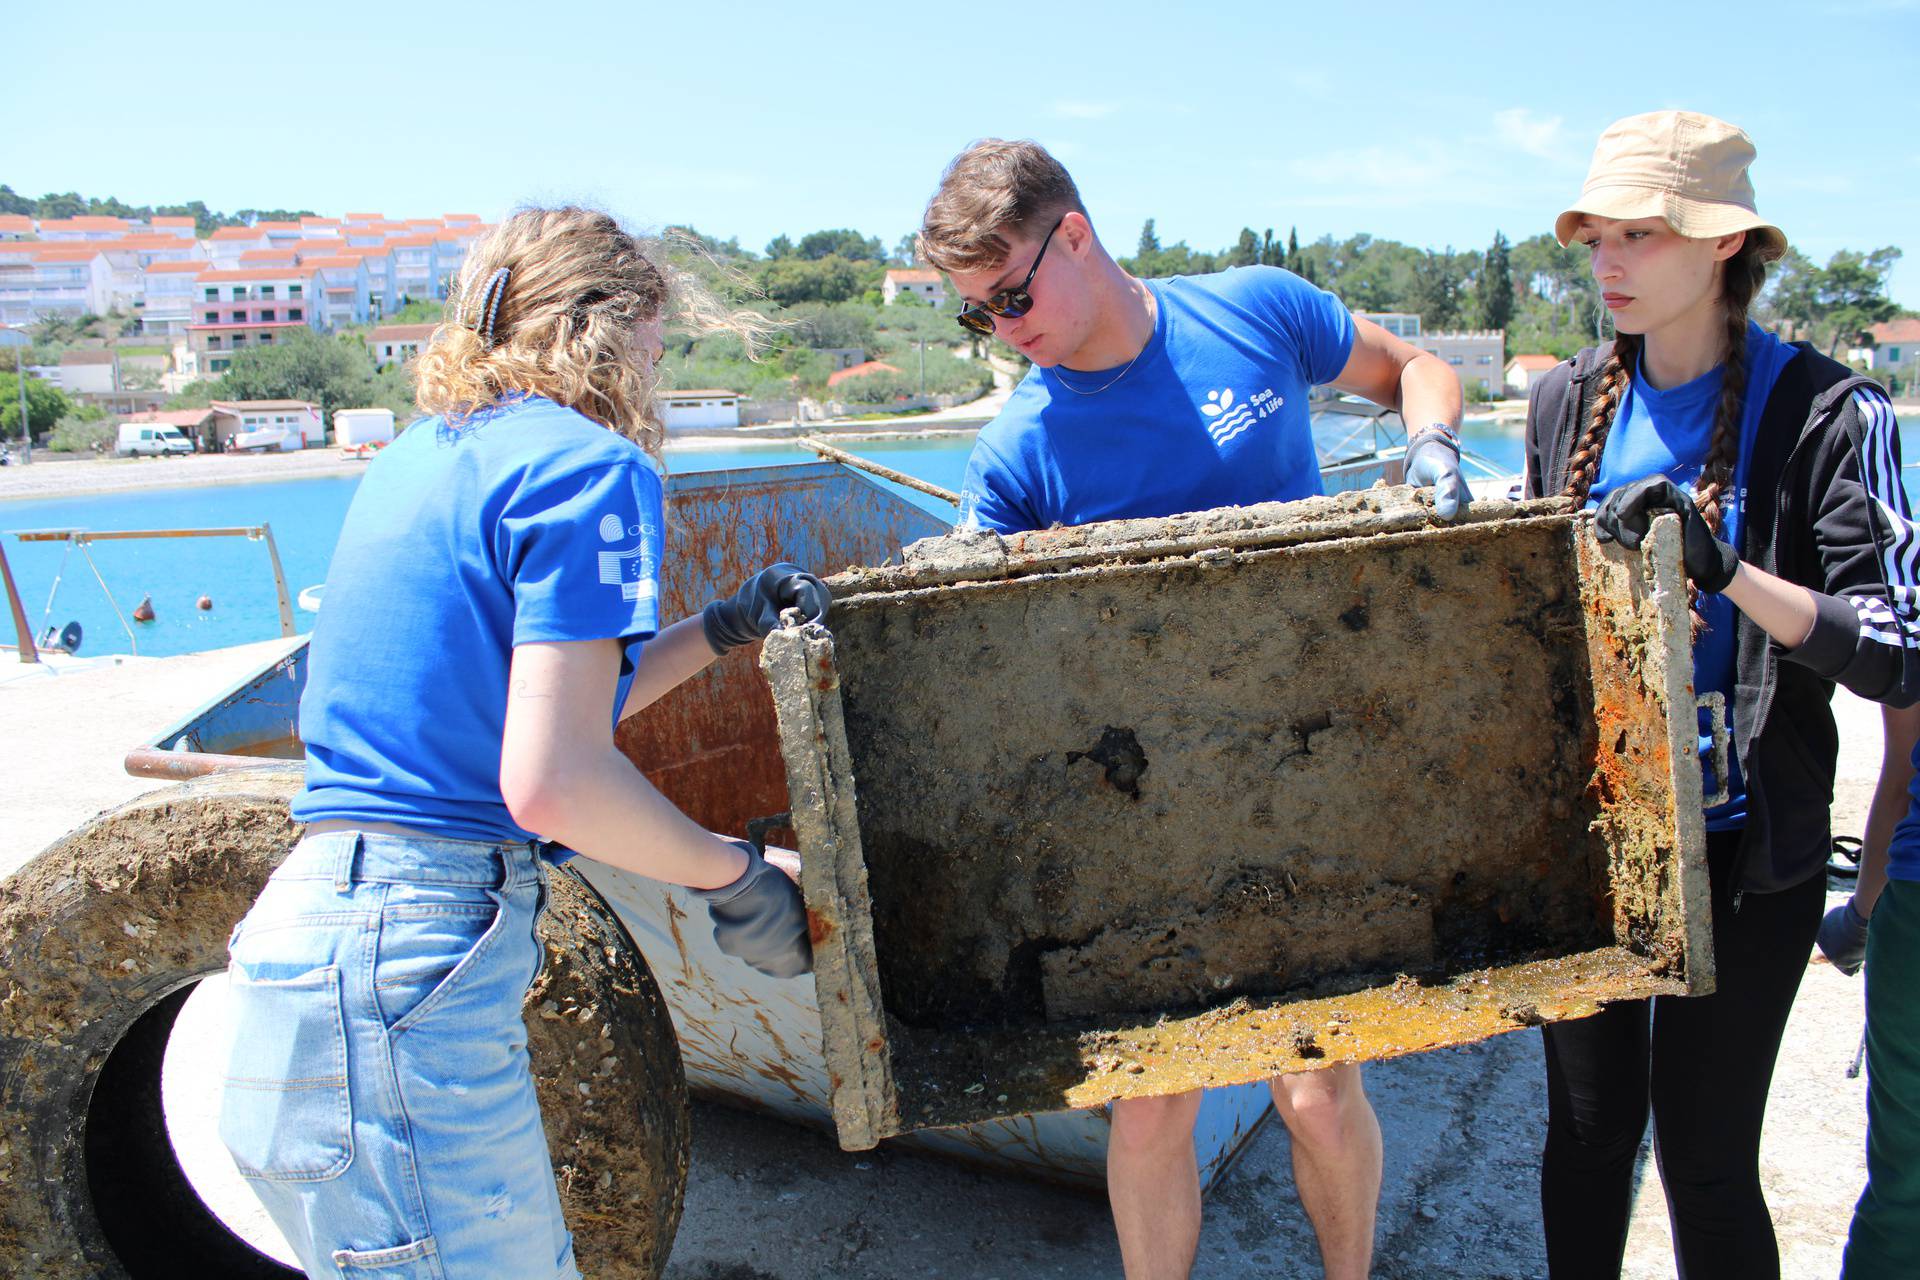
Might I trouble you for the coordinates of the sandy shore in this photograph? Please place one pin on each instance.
(69, 478)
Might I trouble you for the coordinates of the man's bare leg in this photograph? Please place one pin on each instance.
(1153, 1184)
(1336, 1162)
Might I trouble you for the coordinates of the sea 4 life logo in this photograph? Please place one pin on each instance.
(631, 569)
(1228, 417)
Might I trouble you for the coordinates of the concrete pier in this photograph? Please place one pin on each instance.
(1463, 1127)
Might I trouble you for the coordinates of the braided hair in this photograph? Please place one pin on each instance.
(1740, 281)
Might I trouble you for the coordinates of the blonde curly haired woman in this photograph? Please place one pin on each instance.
(492, 612)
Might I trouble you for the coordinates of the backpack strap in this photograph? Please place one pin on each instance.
(1558, 409)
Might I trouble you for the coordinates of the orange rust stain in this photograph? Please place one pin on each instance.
(819, 928)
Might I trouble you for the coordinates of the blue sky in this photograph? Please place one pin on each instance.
(1434, 124)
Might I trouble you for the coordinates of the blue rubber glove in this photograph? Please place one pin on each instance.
(1843, 937)
(1626, 513)
(761, 919)
(753, 611)
(1433, 461)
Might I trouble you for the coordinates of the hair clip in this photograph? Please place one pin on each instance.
(489, 308)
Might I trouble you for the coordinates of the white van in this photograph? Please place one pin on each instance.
(150, 439)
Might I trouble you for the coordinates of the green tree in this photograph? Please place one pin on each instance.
(1245, 252)
(1792, 302)
(1293, 250)
(794, 280)
(841, 243)
(779, 247)
(1852, 294)
(336, 373)
(1149, 241)
(1493, 289)
(46, 405)
(1436, 291)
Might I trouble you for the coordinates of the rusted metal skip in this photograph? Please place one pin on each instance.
(799, 665)
(1154, 806)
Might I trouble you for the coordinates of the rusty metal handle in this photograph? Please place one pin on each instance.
(1715, 704)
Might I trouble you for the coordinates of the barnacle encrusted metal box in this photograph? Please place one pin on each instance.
(1134, 808)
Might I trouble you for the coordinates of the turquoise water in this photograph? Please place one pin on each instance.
(306, 516)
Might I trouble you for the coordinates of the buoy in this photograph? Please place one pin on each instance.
(143, 612)
(204, 602)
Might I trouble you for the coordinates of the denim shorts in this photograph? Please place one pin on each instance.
(378, 1094)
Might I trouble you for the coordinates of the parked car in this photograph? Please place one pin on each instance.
(150, 439)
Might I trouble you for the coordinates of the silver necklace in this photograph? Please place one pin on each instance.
(1153, 308)
(1080, 391)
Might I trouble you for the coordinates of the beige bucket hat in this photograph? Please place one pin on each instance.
(1688, 168)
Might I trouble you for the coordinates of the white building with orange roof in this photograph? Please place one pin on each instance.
(319, 228)
(922, 283)
(169, 291)
(226, 244)
(379, 263)
(459, 219)
(124, 287)
(174, 225)
(342, 289)
(83, 228)
(280, 235)
(38, 279)
(15, 226)
(361, 219)
(276, 256)
(450, 248)
(413, 273)
(1527, 368)
(322, 248)
(249, 307)
(391, 343)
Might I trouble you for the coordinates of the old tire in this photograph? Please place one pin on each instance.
(103, 936)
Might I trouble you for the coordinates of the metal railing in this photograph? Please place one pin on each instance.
(83, 539)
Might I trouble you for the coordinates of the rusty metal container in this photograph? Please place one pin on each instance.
(1137, 808)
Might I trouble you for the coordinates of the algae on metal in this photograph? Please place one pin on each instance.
(1266, 754)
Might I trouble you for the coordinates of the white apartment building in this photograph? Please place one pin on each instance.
(1478, 356)
(226, 244)
(170, 290)
(61, 230)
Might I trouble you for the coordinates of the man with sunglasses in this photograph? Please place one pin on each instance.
(1152, 398)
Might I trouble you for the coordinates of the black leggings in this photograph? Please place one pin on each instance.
(1705, 1065)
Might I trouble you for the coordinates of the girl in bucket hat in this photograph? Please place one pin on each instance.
(1784, 470)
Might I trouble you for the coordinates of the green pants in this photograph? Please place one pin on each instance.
(1884, 1243)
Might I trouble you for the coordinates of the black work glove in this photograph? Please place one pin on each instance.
(1626, 513)
(1843, 937)
(761, 919)
(753, 611)
(1433, 458)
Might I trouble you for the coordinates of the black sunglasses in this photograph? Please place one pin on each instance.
(1010, 303)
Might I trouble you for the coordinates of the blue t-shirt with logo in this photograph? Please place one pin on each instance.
(1211, 413)
(528, 523)
(1669, 433)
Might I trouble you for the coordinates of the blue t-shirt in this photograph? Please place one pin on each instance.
(1669, 433)
(530, 523)
(1211, 413)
